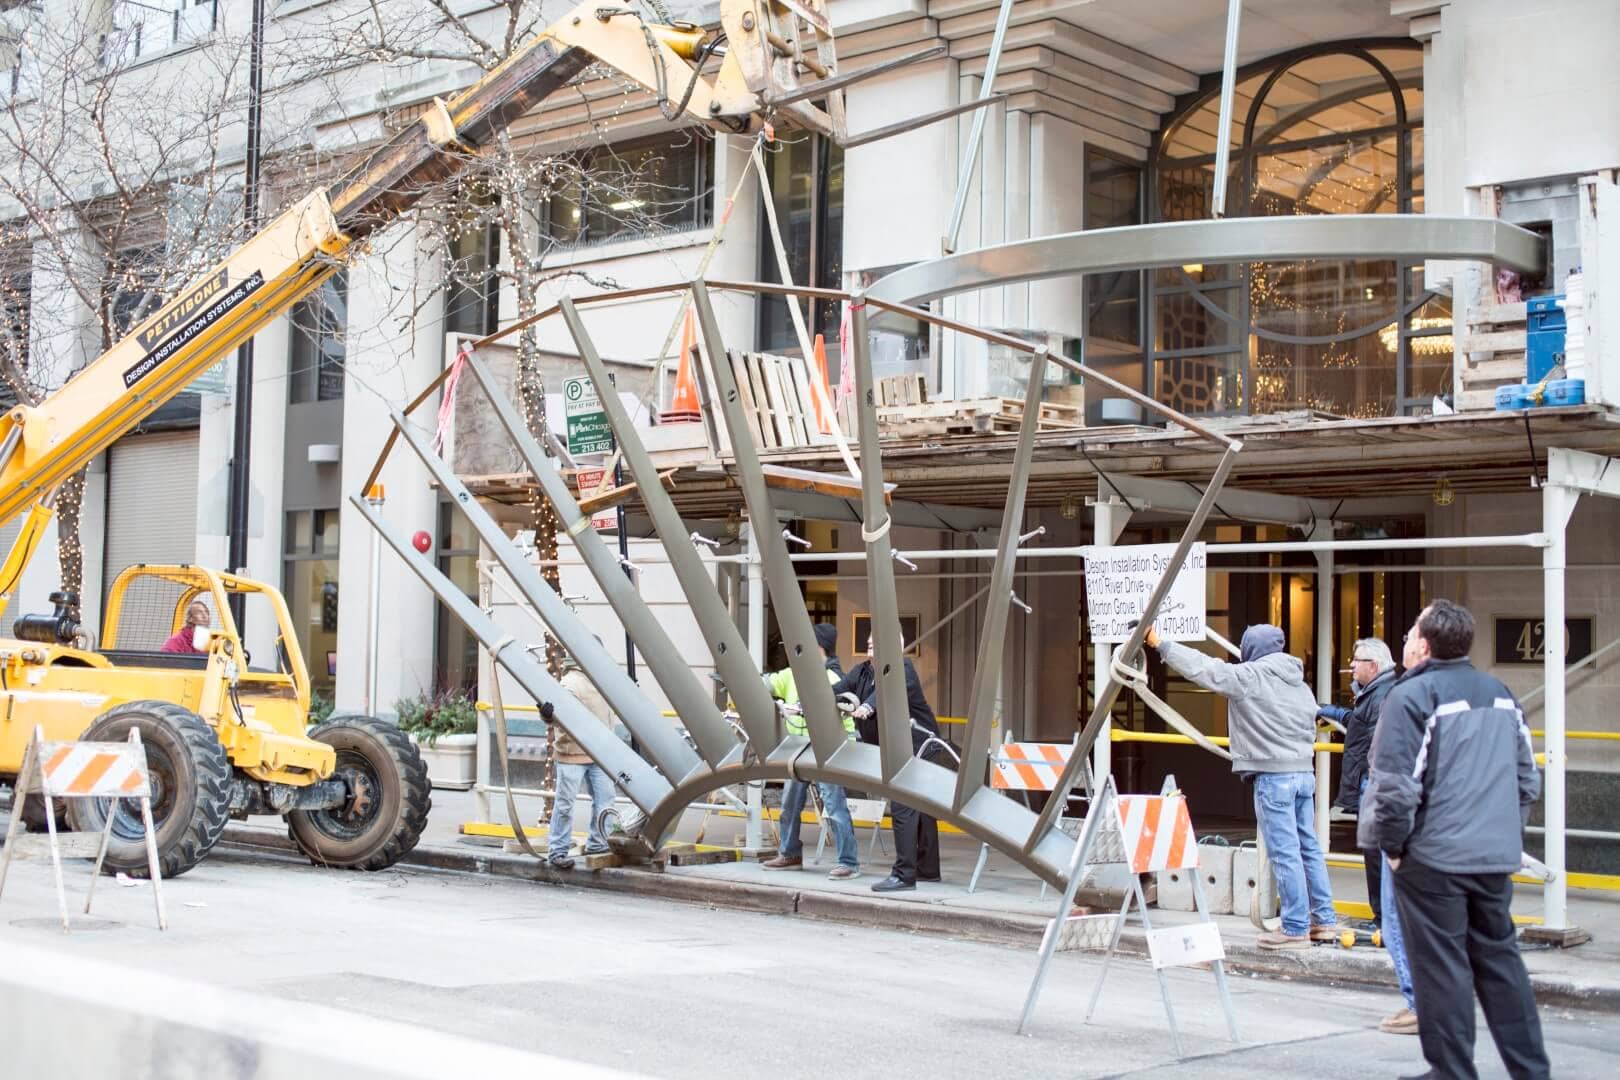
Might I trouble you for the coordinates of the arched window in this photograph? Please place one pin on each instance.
(1334, 129)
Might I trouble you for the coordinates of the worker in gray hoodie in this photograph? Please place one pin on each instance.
(1271, 715)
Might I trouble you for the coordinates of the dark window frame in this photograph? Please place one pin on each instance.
(694, 204)
(317, 350)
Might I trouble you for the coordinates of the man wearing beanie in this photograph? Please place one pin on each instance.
(834, 804)
(1271, 715)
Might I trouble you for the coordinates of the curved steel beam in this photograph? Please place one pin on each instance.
(1231, 240)
(989, 816)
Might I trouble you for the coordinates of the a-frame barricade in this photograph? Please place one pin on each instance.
(81, 770)
(1145, 833)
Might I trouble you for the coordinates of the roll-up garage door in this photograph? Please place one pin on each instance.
(151, 501)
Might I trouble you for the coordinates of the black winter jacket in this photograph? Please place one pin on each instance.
(1359, 720)
(1453, 773)
(862, 682)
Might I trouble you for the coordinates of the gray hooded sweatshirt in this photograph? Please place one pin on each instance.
(1271, 713)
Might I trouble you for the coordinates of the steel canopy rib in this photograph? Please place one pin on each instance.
(755, 709)
(1128, 652)
(667, 749)
(639, 780)
(992, 639)
(798, 637)
(1402, 237)
(888, 651)
(691, 700)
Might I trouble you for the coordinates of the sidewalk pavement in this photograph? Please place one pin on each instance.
(1007, 906)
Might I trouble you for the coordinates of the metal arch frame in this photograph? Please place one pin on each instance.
(1400, 237)
(762, 752)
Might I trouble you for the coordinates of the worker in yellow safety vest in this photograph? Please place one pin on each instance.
(835, 805)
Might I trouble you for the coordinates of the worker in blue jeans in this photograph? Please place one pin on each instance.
(1404, 1022)
(834, 803)
(1271, 714)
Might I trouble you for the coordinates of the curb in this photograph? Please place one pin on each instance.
(1325, 965)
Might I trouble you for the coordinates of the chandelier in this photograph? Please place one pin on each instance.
(1430, 345)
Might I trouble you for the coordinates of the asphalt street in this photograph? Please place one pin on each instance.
(673, 990)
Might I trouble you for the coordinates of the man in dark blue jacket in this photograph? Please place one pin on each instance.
(916, 834)
(1453, 778)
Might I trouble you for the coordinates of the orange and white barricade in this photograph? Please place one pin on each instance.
(1025, 767)
(81, 770)
(1143, 834)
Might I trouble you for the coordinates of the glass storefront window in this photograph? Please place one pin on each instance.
(1334, 130)
(310, 585)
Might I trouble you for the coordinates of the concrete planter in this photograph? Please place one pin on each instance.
(452, 762)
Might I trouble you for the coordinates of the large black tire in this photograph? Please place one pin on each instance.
(191, 787)
(388, 804)
(33, 814)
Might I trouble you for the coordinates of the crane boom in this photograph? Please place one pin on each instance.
(771, 46)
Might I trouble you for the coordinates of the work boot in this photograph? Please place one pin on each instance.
(1324, 932)
(893, 884)
(561, 862)
(1278, 941)
(1404, 1022)
(784, 862)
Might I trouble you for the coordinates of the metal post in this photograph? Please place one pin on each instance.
(970, 154)
(1325, 581)
(374, 498)
(1557, 503)
(754, 832)
(1223, 135)
(242, 404)
(624, 558)
(1108, 517)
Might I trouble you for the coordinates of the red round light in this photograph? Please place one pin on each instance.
(422, 541)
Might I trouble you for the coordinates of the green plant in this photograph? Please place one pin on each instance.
(429, 718)
(320, 708)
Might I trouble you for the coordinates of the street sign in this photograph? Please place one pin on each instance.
(1119, 581)
(588, 430)
(589, 482)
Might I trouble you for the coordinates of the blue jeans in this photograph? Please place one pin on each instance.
(1394, 941)
(1284, 806)
(836, 814)
(569, 778)
(1389, 924)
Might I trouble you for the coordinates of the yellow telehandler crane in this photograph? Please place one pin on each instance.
(223, 738)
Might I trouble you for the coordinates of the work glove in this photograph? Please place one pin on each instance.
(547, 713)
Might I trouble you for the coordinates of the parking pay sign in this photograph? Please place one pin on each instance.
(588, 430)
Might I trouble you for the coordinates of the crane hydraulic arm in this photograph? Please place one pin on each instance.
(773, 50)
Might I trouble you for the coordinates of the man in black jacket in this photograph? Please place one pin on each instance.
(1372, 672)
(1453, 778)
(916, 834)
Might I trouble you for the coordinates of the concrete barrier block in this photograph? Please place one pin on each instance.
(1175, 890)
(1246, 876)
(1215, 872)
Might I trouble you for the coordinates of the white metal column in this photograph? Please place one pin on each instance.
(1557, 504)
(1326, 580)
(1108, 516)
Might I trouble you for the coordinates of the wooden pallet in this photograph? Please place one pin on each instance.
(777, 400)
(973, 415)
(1493, 353)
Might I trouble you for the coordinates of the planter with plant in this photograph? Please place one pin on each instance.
(444, 727)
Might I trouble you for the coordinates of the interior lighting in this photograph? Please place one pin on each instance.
(1429, 345)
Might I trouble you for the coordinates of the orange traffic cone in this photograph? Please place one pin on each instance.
(683, 408)
(823, 401)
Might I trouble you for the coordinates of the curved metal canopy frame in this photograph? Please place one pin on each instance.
(1230, 240)
(672, 774)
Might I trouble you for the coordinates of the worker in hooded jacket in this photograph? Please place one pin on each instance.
(1271, 715)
